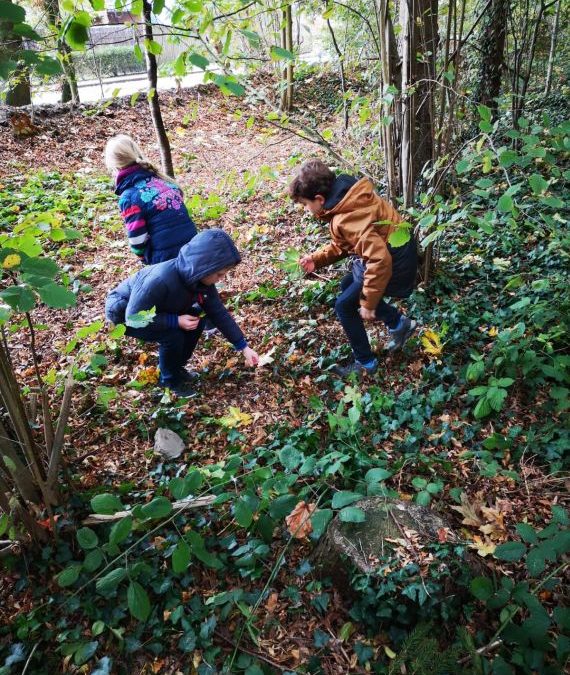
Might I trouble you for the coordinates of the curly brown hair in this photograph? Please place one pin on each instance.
(314, 178)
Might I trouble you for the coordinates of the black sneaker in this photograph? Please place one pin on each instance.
(183, 389)
(401, 334)
(189, 375)
(354, 367)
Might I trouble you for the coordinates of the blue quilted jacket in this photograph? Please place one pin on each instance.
(174, 287)
(156, 219)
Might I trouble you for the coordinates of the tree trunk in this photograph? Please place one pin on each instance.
(387, 44)
(153, 100)
(492, 48)
(19, 91)
(287, 43)
(407, 55)
(69, 91)
(553, 40)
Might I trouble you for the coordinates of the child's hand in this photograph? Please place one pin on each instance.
(188, 322)
(251, 357)
(367, 314)
(307, 263)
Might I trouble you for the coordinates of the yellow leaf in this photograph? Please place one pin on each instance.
(236, 418)
(431, 343)
(493, 331)
(148, 375)
(11, 261)
(391, 654)
(483, 547)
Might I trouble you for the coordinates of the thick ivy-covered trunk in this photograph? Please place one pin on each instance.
(491, 47)
(19, 91)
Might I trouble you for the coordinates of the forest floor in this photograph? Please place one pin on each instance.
(235, 173)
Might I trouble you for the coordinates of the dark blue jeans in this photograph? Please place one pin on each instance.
(348, 302)
(175, 347)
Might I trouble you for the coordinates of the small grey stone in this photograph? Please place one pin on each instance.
(168, 443)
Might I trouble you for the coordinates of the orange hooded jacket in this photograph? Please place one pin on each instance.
(360, 224)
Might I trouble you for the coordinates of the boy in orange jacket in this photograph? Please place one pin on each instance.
(360, 223)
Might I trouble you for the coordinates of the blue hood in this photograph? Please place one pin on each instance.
(340, 187)
(208, 252)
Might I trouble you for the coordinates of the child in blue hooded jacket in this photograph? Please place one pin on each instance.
(156, 220)
(183, 293)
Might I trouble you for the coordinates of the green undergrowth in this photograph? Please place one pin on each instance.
(472, 400)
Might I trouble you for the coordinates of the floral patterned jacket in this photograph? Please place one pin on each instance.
(157, 221)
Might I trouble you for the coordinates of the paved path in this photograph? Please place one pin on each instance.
(91, 91)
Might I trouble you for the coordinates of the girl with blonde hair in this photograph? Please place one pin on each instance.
(151, 203)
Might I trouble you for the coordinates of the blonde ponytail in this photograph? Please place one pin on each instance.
(122, 151)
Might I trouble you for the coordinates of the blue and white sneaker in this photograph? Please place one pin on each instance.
(401, 334)
(356, 367)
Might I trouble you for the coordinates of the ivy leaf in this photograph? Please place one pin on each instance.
(243, 513)
(85, 652)
(320, 520)
(138, 601)
(344, 498)
(87, 538)
(511, 551)
(110, 581)
(352, 514)
(505, 204)
(482, 588)
(159, 507)
(121, 530)
(377, 475)
(181, 557)
(106, 504)
(69, 575)
(538, 184)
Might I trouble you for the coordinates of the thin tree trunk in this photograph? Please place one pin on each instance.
(342, 76)
(383, 19)
(553, 40)
(287, 43)
(153, 100)
(69, 91)
(407, 55)
(289, 48)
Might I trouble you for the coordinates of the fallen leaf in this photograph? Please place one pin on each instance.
(469, 512)
(272, 602)
(236, 418)
(299, 520)
(266, 359)
(431, 342)
(483, 547)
